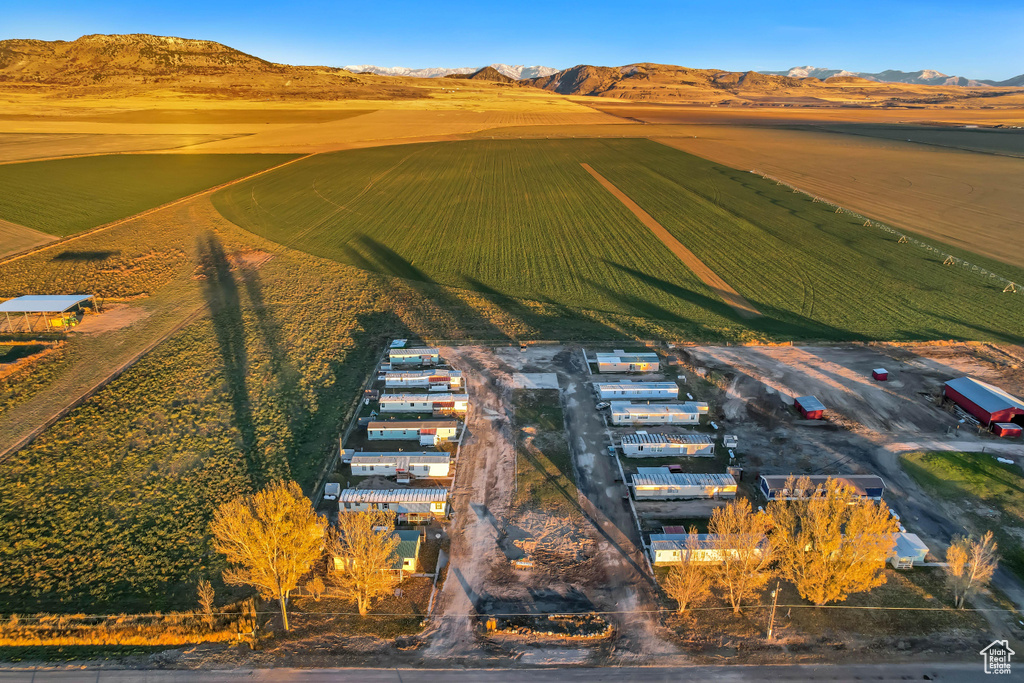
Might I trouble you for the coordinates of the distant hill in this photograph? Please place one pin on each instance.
(488, 73)
(143, 63)
(517, 72)
(922, 77)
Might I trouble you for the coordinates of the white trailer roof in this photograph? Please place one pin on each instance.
(627, 384)
(656, 438)
(663, 408)
(433, 398)
(43, 303)
(680, 479)
(393, 495)
(424, 457)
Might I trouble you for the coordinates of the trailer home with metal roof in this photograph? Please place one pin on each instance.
(421, 464)
(409, 505)
(628, 413)
(627, 390)
(675, 548)
(414, 357)
(774, 487)
(987, 403)
(431, 380)
(655, 445)
(620, 361)
(657, 483)
(423, 403)
(427, 432)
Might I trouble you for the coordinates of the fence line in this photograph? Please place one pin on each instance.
(948, 259)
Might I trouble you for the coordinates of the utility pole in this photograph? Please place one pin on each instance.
(775, 601)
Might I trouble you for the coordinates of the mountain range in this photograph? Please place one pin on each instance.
(517, 72)
(922, 77)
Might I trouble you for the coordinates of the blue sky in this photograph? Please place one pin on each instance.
(978, 40)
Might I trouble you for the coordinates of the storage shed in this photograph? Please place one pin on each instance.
(657, 483)
(409, 505)
(909, 550)
(432, 380)
(427, 432)
(1006, 429)
(880, 374)
(654, 445)
(628, 413)
(627, 390)
(414, 356)
(672, 549)
(810, 407)
(620, 361)
(421, 464)
(42, 313)
(423, 403)
(774, 487)
(982, 400)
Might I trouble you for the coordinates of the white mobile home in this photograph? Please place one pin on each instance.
(432, 380)
(414, 357)
(644, 445)
(657, 483)
(673, 548)
(410, 505)
(627, 390)
(909, 550)
(627, 413)
(427, 432)
(423, 403)
(401, 463)
(620, 361)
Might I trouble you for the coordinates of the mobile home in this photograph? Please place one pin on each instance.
(673, 548)
(620, 361)
(432, 380)
(409, 505)
(627, 390)
(909, 550)
(628, 413)
(414, 357)
(422, 464)
(427, 432)
(654, 445)
(774, 487)
(657, 483)
(406, 556)
(423, 403)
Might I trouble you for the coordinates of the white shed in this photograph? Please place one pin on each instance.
(627, 390)
(654, 445)
(432, 380)
(421, 464)
(423, 403)
(909, 550)
(628, 413)
(410, 505)
(657, 483)
(620, 361)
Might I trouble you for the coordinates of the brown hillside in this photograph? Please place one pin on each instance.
(488, 73)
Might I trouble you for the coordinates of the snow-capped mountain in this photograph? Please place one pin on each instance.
(517, 72)
(922, 77)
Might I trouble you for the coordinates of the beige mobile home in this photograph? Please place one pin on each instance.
(414, 357)
(410, 505)
(655, 445)
(657, 483)
(423, 403)
(427, 432)
(628, 391)
(626, 413)
(422, 464)
(432, 380)
(620, 361)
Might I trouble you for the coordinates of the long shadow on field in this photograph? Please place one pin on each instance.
(223, 297)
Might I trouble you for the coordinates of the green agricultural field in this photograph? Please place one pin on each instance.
(522, 219)
(65, 196)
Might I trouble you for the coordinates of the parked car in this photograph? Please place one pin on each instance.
(611, 451)
(603, 404)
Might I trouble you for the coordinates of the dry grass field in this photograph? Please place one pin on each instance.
(15, 238)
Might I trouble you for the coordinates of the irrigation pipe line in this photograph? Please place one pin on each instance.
(519, 614)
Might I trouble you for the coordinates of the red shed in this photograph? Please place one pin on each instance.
(880, 374)
(1006, 429)
(810, 407)
(985, 402)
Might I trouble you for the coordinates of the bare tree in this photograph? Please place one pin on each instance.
(740, 542)
(970, 565)
(270, 538)
(363, 546)
(829, 542)
(316, 588)
(206, 597)
(689, 582)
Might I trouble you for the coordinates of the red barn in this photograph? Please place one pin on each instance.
(985, 402)
(1006, 429)
(810, 407)
(880, 374)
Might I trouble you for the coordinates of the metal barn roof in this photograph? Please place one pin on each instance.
(987, 397)
(627, 384)
(681, 479)
(43, 303)
(810, 403)
(421, 457)
(393, 495)
(645, 437)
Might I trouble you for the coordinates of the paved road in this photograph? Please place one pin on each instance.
(952, 673)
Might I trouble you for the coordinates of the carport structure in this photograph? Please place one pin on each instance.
(48, 312)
